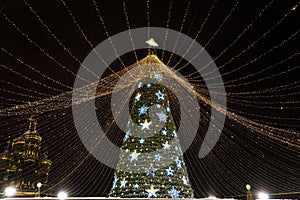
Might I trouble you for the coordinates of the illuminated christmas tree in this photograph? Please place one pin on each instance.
(151, 162)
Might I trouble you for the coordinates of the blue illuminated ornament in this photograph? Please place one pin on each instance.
(185, 180)
(174, 133)
(178, 162)
(143, 110)
(126, 136)
(142, 140)
(137, 97)
(160, 95)
(170, 171)
(136, 186)
(151, 170)
(157, 157)
(148, 85)
(168, 109)
(115, 181)
(164, 132)
(158, 76)
(162, 117)
(173, 193)
(140, 84)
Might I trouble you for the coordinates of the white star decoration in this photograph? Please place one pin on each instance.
(146, 125)
(160, 95)
(137, 97)
(152, 192)
(134, 156)
(123, 183)
(166, 146)
(185, 180)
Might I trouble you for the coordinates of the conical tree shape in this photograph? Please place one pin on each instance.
(151, 162)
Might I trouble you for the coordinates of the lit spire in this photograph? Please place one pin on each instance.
(32, 124)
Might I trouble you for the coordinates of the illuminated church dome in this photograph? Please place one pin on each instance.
(23, 164)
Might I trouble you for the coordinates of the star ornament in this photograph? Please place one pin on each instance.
(152, 192)
(137, 97)
(170, 171)
(123, 183)
(134, 156)
(185, 180)
(146, 125)
(142, 140)
(166, 146)
(164, 132)
(151, 170)
(151, 42)
(160, 95)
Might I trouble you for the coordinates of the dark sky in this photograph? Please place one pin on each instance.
(261, 40)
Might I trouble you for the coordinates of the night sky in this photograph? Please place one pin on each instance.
(260, 69)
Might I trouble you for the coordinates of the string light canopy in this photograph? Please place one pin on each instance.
(256, 58)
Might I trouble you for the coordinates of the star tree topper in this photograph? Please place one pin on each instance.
(151, 42)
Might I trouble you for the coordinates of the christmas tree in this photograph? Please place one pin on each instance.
(151, 162)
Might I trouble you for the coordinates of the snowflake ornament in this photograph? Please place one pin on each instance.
(162, 116)
(158, 76)
(173, 193)
(143, 109)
